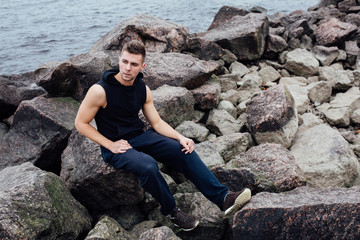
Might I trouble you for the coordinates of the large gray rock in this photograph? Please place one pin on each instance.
(35, 204)
(177, 69)
(193, 130)
(325, 157)
(39, 133)
(157, 34)
(108, 229)
(274, 167)
(207, 96)
(338, 112)
(208, 153)
(174, 104)
(326, 55)
(221, 123)
(16, 88)
(76, 75)
(245, 36)
(235, 178)
(212, 221)
(88, 177)
(333, 31)
(272, 116)
(303, 213)
(302, 63)
(319, 92)
(160, 233)
(225, 14)
(3, 130)
(300, 95)
(339, 79)
(231, 145)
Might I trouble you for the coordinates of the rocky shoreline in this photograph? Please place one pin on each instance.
(272, 102)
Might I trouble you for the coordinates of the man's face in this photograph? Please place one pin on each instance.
(130, 65)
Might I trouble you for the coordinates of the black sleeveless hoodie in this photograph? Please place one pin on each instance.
(120, 118)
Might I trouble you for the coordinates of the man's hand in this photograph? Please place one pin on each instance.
(187, 143)
(119, 146)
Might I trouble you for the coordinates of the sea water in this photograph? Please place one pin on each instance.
(33, 32)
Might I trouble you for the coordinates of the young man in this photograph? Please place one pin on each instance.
(115, 102)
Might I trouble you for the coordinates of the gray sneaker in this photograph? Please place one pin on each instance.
(183, 221)
(235, 200)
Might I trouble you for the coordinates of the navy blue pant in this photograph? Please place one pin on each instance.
(140, 160)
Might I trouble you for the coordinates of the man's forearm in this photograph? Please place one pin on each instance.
(93, 134)
(166, 130)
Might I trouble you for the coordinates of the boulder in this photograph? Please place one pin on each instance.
(35, 204)
(212, 222)
(247, 90)
(142, 227)
(76, 75)
(231, 145)
(193, 130)
(208, 153)
(345, 5)
(325, 55)
(227, 106)
(340, 109)
(157, 34)
(245, 36)
(231, 95)
(88, 177)
(355, 117)
(221, 123)
(273, 166)
(353, 18)
(339, 116)
(300, 95)
(174, 104)
(352, 51)
(269, 74)
(325, 157)
(275, 44)
(225, 14)
(108, 229)
(205, 50)
(207, 96)
(160, 233)
(3, 130)
(333, 32)
(39, 133)
(339, 79)
(272, 116)
(16, 88)
(227, 82)
(239, 69)
(300, 214)
(319, 92)
(176, 69)
(235, 178)
(302, 63)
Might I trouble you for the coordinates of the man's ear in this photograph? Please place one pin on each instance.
(143, 66)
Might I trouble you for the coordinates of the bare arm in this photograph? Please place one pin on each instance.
(161, 126)
(94, 99)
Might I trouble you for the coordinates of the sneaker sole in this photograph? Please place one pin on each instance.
(188, 229)
(240, 201)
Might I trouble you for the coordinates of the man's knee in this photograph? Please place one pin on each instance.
(149, 167)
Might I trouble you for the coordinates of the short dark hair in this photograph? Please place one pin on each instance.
(135, 47)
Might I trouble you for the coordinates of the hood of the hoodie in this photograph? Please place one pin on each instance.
(111, 80)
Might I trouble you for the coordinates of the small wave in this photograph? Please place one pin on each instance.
(95, 27)
(51, 41)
